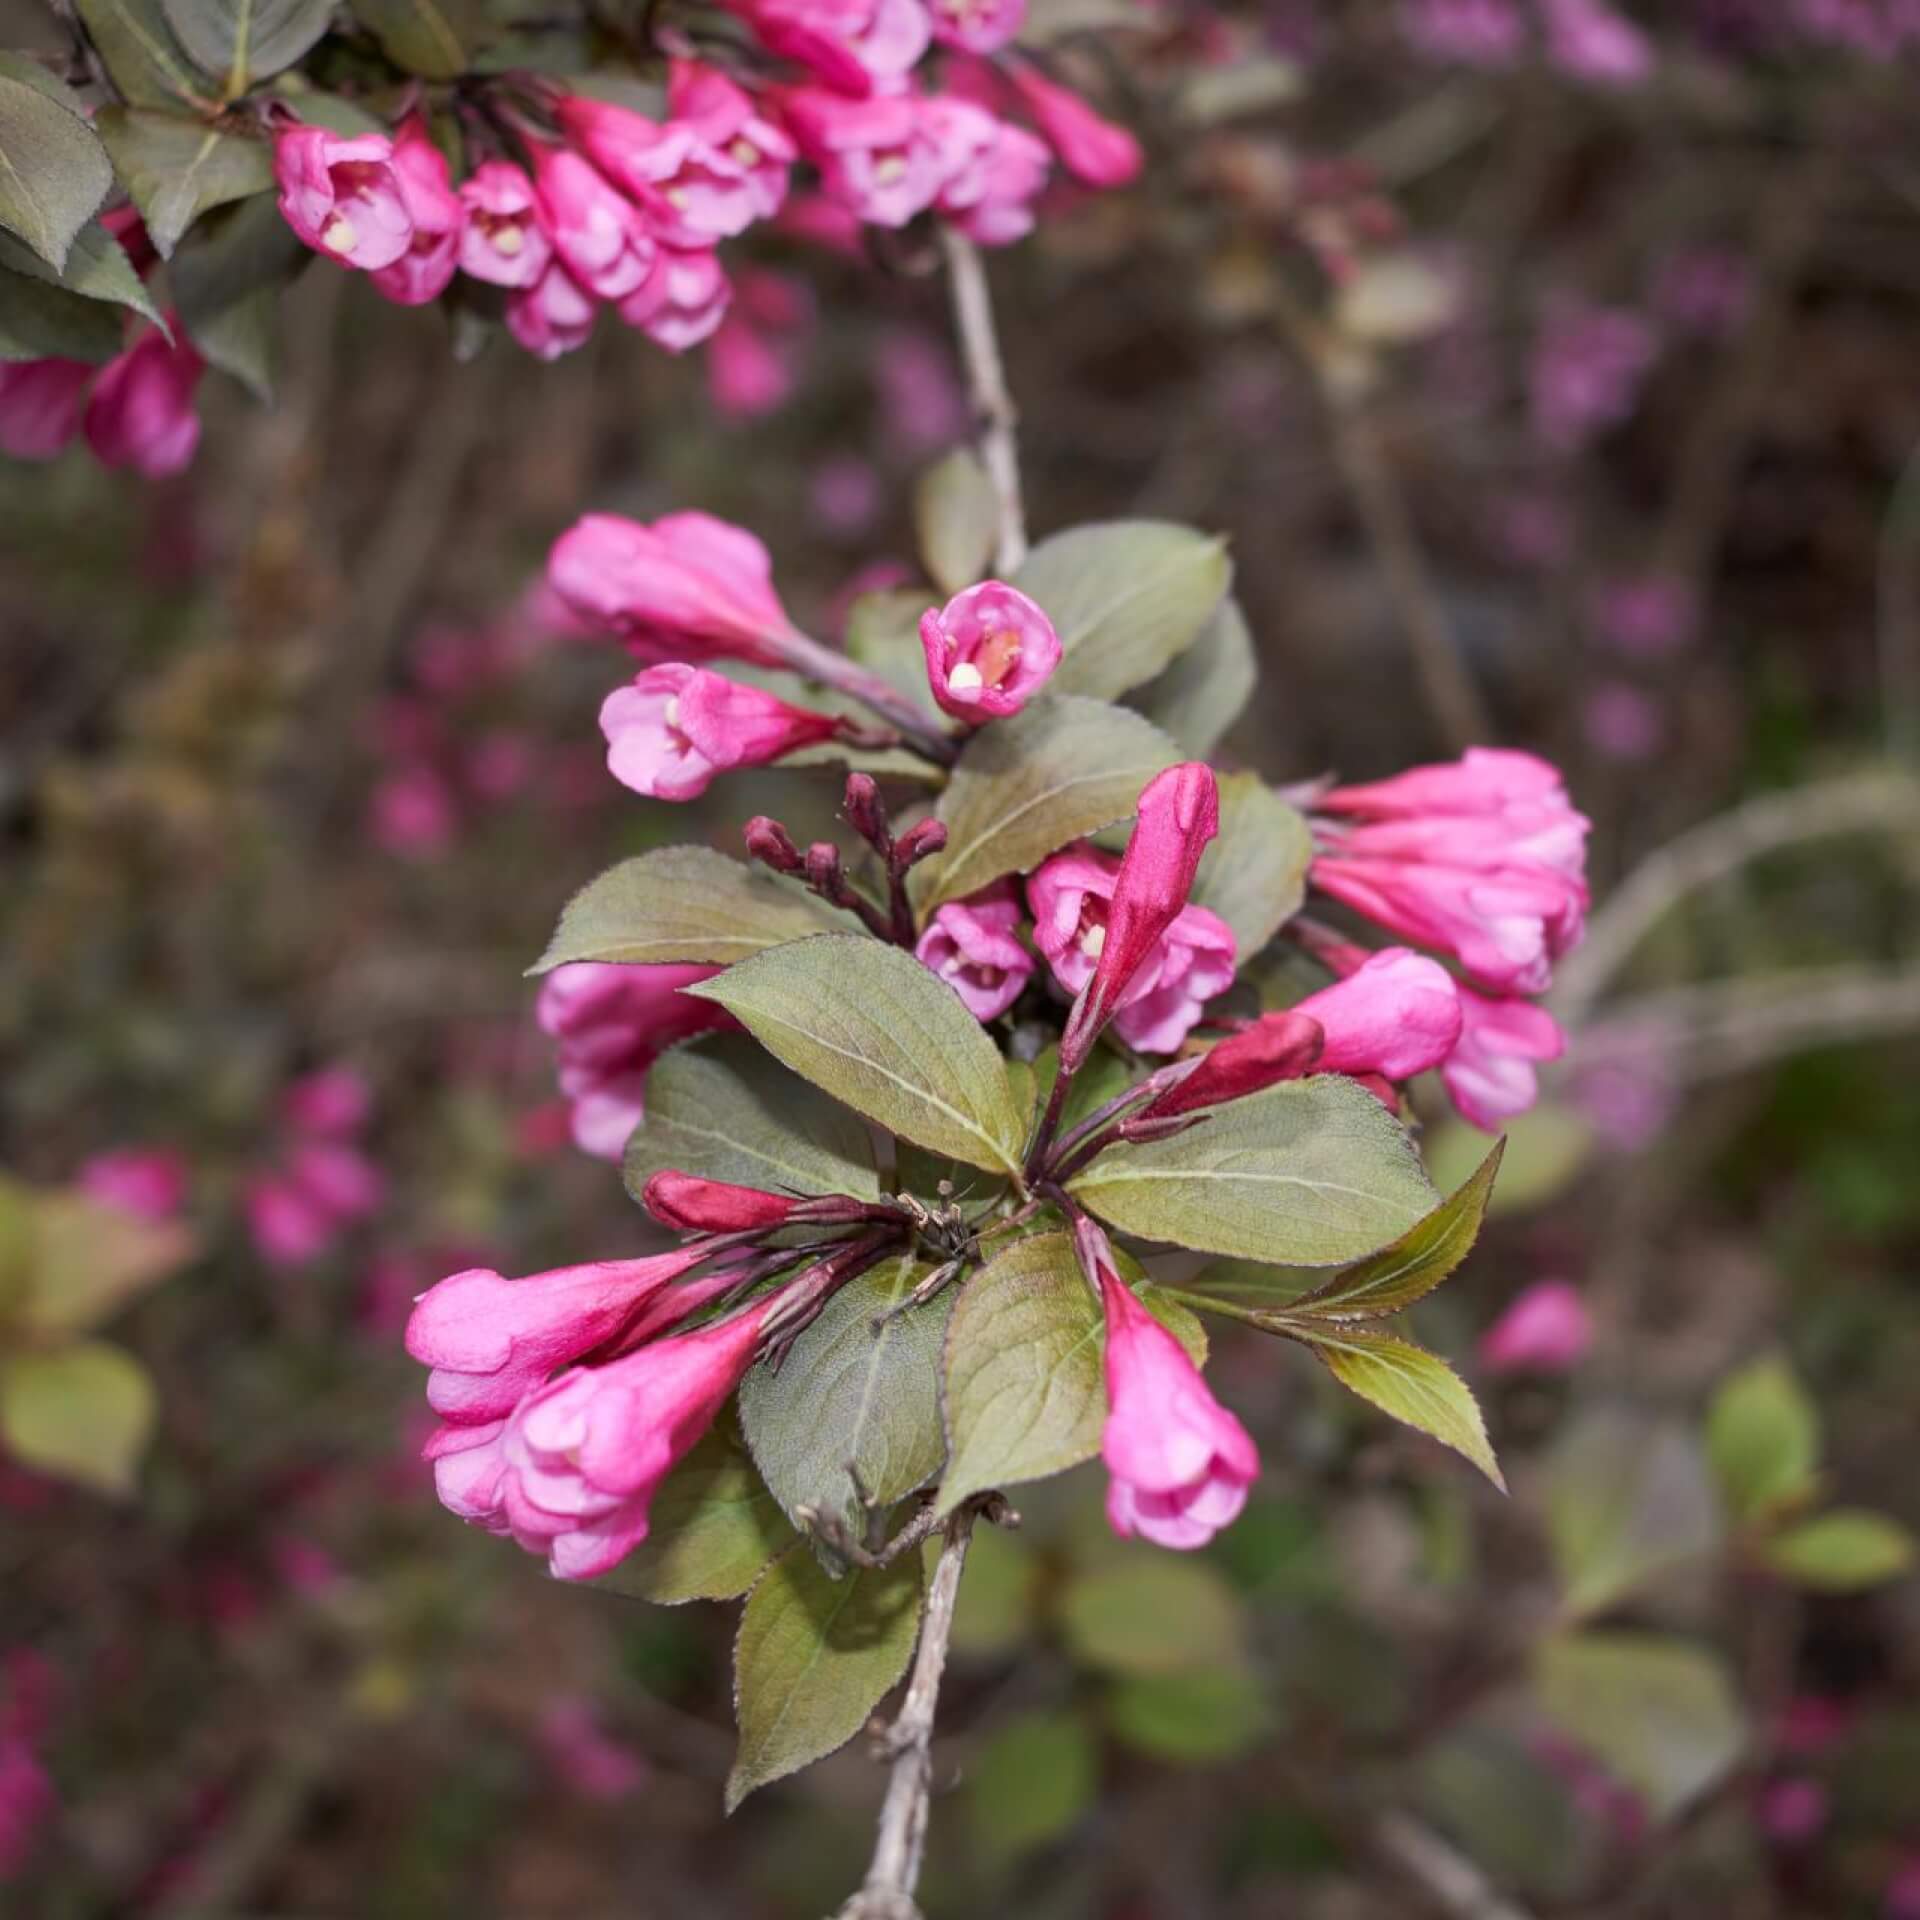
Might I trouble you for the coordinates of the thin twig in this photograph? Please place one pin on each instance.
(1715, 849)
(895, 1872)
(1455, 1884)
(994, 416)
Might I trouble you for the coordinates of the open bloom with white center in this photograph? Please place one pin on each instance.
(989, 650)
(972, 946)
(502, 241)
(342, 196)
(677, 726)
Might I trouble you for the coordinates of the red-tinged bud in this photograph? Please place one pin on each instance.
(865, 812)
(1092, 149)
(823, 868)
(919, 842)
(772, 845)
(1281, 1046)
(693, 1205)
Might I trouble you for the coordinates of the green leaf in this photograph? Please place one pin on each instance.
(148, 64)
(244, 41)
(1126, 597)
(712, 1529)
(1207, 689)
(1763, 1438)
(1627, 1498)
(1659, 1712)
(1201, 1717)
(83, 1412)
(1036, 1775)
(433, 38)
(97, 269)
(853, 1397)
(682, 904)
(1411, 1384)
(89, 1260)
(997, 1596)
(883, 632)
(54, 173)
(1153, 1613)
(1395, 1277)
(1310, 1173)
(955, 516)
(1025, 1393)
(720, 1109)
(814, 1658)
(871, 1025)
(1027, 785)
(231, 255)
(39, 322)
(177, 168)
(1842, 1551)
(243, 342)
(1254, 876)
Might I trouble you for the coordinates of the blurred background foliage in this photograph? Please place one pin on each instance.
(1607, 391)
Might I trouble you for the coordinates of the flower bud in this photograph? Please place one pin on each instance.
(692, 1205)
(865, 811)
(920, 842)
(772, 845)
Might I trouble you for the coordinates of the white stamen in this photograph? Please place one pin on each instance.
(1093, 942)
(889, 168)
(508, 240)
(965, 678)
(339, 235)
(673, 712)
(744, 151)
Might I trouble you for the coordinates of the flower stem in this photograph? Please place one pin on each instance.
(810, 658)
(995, 418)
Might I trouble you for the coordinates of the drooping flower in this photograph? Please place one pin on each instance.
(141, 413)
(553, 315)
(682, 301)
(40, 406)
(438, 215)
(972, 946)
(1180, 1463)
(676, 726)
(342, 195)
(600, 234)
(991, 171)
(1396, 1014)
(692, 192)
(611, 1023)
(502, 241)
(728, 119)
(490, 1340)
(1094, 150)
(1490, 1074)
(989, 650)
(857, 46)
(878, 157)
(688, 585)
(1547, 1329)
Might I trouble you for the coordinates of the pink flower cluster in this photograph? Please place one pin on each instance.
(600, 204)
(322, 1181)
(137, 411)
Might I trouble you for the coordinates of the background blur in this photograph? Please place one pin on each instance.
(1622, 405)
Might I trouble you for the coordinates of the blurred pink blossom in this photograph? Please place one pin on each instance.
(411, 814)
(1546, 1329)
(1588, 366)
(1646, 617)
(329, 1102)
(586, 1759)
(1793, 1810)
(148, 1182)
(1622, 721)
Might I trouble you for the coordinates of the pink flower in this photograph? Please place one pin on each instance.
(1547, 1329)
(1124, 937)
(677, 726)
(971, 945)
(688, 584)
(142, 414)
(1180, 1462)
(438, 215)
(991, 172)
(850, 44)
(681, 301)
(585, 1454)
(692, 193)
(337, 1178)
(490, 1341)
(612, 1023)
(747, 374)
(502, 241)
(978, 26)
(40, 403)
(989, 651)
(879, 157)
(553, 316)
(692, 1205)
(599, 234)
(729, 122)
(148, 1182)
(1586, 372)
(593, 1765)
(342, 195)
(1793, 1810)
(1490, 1074)
(411, 814)
(1479, 33)
(1396, 1014)
(469, 1472)
(1093, 150)
(1276, 1047)
(331, 1102)
(1584, 38)
(27, 1803)
(289, 1225)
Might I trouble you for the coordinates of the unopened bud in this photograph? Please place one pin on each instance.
(769, 842)
(823, 867)
(864, 811)
(919, 842)
(693, 1205)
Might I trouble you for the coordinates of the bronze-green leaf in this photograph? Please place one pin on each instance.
(1409, 1383)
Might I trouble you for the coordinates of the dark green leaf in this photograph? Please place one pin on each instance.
(1126, 597)
(683, 904)
(1026, 786)
(1153, 1612)
(1842, 1551)
(177, 168)
(54, 173)
(1411, 1384)
(814, 1658)
(148, 64)
(97, 269)
(433, 38)
(955, 516)
(243, 341)
(1254, 876)
(1309, 1173)
(851, 1398)
(883, 632)
(871, 1025)
(1659, 1712)
(721, 1109)
(1025, 1393)
(83, 1412)
(245, 41)
(230, 256)
(39, 322)
(1763, 1438)
(712, 1529)
(1033, 1779)
(1206, 690)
